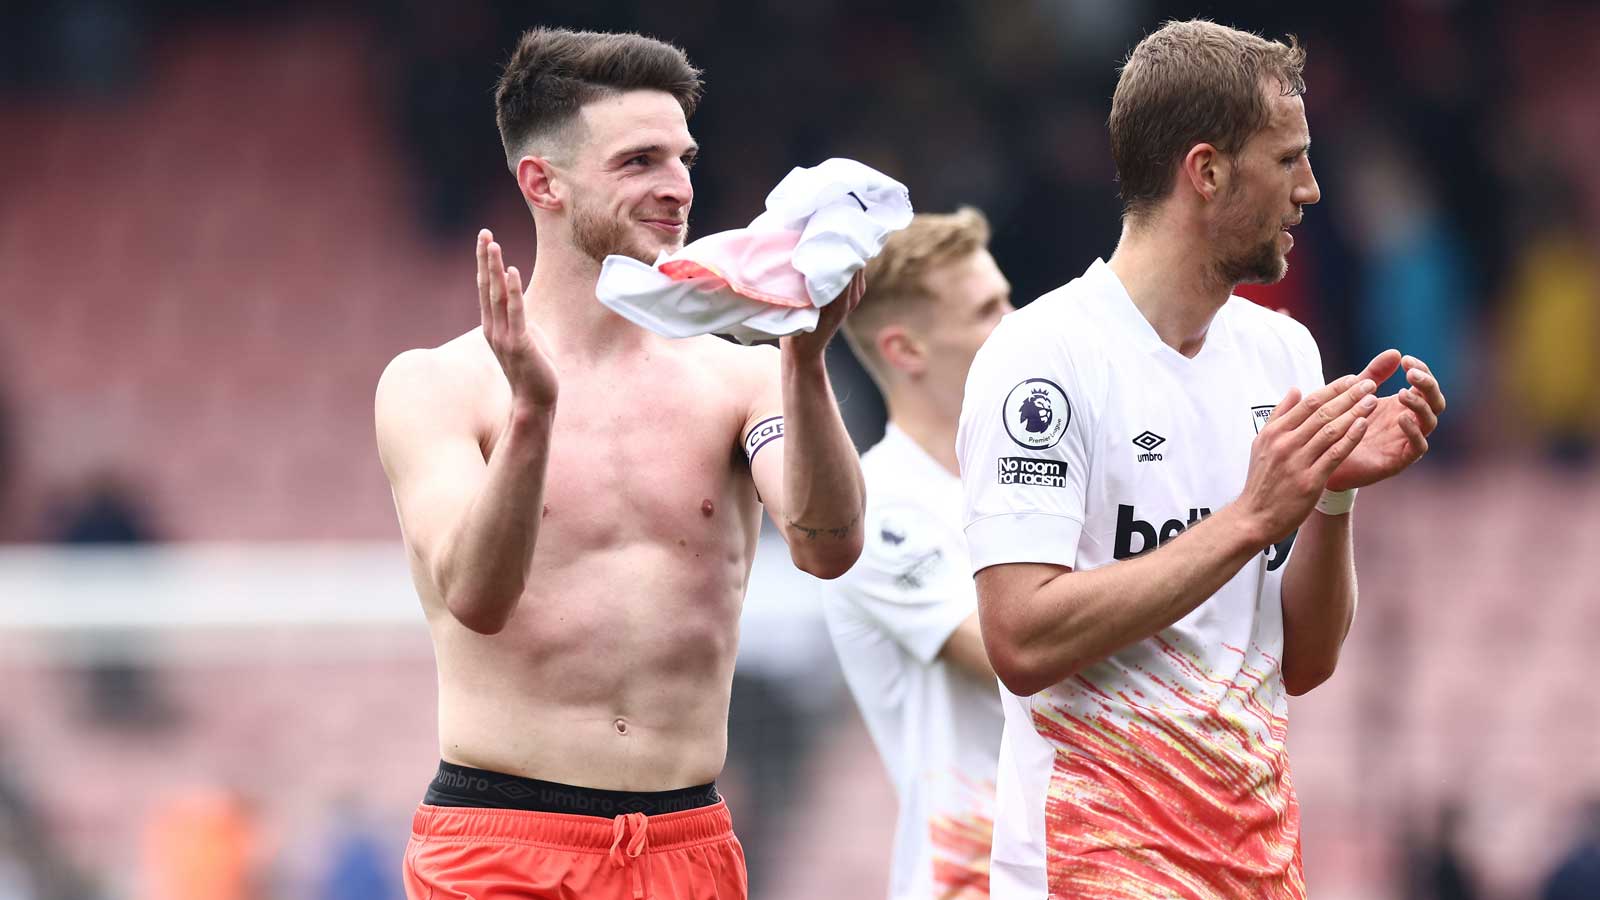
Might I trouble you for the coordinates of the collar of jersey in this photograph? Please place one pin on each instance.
(1105, 286)
(905, 447)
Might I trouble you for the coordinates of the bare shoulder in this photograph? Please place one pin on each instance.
(455, 368)
(748, 362)
(441, 388)
(751, 373)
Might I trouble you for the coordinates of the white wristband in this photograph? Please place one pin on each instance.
(1337, 503)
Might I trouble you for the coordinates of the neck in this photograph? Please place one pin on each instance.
(927, 423)
(1171, 281)
(560, 299)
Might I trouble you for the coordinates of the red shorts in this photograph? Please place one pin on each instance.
(469, 853)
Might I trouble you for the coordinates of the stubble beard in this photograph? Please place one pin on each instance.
(1263, 264)
(1260, 263)
(597, 237)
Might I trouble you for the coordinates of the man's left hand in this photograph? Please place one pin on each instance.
(1397, 431)
(812, 343)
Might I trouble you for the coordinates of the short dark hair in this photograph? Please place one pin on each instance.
(1189, 83)
(555, 71)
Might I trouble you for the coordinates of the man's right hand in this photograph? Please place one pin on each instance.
(1298, 449)
(521, 348)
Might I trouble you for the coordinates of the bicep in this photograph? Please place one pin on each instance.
(761, 439)
(428, 450)
(1007, 590)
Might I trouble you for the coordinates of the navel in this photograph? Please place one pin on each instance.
(621, 725)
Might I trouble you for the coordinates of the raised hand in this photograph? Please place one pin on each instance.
(1401, 423)
(520, 347)
(831, 317)
(1301, 445)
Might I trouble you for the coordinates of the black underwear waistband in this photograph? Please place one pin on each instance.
(462, 786)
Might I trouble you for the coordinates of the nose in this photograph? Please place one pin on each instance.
(1306, 192)
(675, 188)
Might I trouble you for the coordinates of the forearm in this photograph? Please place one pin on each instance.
(1078, 618)
(482, 568)
(965, 649)
(1319, 600)
(823, 492)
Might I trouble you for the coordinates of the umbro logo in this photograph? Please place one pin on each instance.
(1148, 441)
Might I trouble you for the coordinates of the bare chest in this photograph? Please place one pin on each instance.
(644, 457)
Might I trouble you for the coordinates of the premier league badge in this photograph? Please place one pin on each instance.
(1036, 413)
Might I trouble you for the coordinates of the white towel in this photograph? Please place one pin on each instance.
(768, 280)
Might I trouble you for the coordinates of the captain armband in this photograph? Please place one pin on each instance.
(763, 433)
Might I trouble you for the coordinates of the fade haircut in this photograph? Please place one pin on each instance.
(554, 72)
(897, 288)
(1190, 83)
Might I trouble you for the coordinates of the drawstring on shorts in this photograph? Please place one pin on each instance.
(637, 844)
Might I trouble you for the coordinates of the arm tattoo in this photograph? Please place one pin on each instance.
(839, 533)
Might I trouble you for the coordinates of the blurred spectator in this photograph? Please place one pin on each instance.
(202, 845)
(1553, 312)
(107, 509)
(1415, 291)
(361, 866)
(122, 690)
(446, 59)
(1577, 876)
(1434, 869)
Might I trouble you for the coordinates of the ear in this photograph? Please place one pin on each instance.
(1206, 170)
(536, 177)
(901, 350)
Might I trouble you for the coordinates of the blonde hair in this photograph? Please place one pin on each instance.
(896, 289)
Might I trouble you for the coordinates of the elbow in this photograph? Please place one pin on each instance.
(1022, 671)
(478, 616)
(1301, 680)
(831, 563)
(1019, 682)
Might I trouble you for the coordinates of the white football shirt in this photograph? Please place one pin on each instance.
(1161, 771)
(936, 727)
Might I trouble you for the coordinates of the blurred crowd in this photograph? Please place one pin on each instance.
(1460, 221)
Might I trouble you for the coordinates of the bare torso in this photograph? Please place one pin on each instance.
(615, 669)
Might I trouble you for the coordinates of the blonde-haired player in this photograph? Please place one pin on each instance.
(904, 619)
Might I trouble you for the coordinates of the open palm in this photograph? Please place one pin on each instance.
(1398, 429)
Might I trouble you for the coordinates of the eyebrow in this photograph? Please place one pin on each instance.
(649, 150)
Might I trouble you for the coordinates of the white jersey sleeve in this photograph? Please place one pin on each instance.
(1023, 449)
(908, 581)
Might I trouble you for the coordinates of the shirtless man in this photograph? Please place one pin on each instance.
(580, 501)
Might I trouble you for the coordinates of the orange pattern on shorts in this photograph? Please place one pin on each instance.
(1190, 798)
